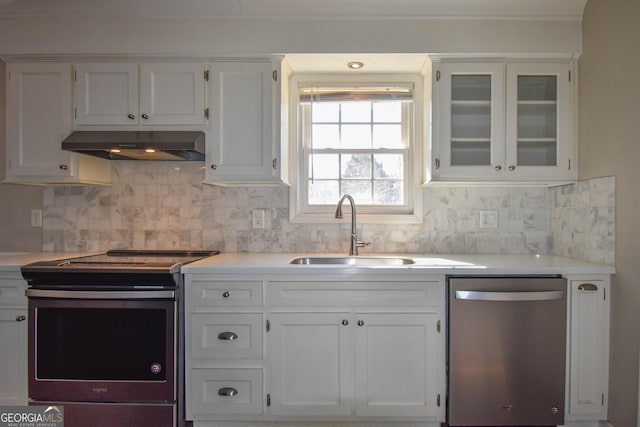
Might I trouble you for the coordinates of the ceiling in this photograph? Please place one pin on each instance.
(564, 9)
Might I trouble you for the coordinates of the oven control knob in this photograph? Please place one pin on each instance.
(156, 368)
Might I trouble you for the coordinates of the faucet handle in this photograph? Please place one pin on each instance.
(361, 244)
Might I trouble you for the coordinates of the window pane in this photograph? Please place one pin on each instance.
(360, 190)
(325, 112)
(387, 192)
(387, 136)
(325, 136)
(388, 166)
(387, 112)
(356, 136)
(356, 112)
(324, 192)
(325, 166)
(356, 166)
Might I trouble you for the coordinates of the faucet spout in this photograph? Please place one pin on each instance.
(354, 243)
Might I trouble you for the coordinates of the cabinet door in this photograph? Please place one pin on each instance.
(106, 93)
(588, 349)
(539, 116)
(311, 371)
(13, 353)
(38, 119)
(469, 139)
(397, 364)
(243, 142)
(172, 93)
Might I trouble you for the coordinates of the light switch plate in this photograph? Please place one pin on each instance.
(36, 217)
(488, 219)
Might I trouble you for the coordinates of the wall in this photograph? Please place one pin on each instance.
(610, 145)
(16, 233)
(164, 205)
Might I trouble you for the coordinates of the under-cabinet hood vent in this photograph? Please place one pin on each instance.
(137, 145)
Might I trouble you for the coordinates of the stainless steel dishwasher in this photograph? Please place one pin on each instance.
(506, 351)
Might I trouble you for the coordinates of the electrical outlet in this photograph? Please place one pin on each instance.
(36, 217)
(257, 219)
(488, 219)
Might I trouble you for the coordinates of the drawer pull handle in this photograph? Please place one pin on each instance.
(587, 287)
(226, 294)
(227, 391)
(227, 336)
(21, 318)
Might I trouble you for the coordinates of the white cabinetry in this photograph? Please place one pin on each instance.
(365, 347)
(38, 118)
(333, 346)
(497, 121)
(588, 348)
(140, 94)
(224, 347)
(244, 131)
(13, 336)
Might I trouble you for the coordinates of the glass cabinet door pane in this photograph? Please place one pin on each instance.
(470, 120)
(537, 120)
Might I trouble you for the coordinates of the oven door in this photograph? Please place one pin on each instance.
(102, 346)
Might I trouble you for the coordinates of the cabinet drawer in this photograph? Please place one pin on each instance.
(366, 293)
(226, 335)
(226, 293)
(12, 292)
(225, 391)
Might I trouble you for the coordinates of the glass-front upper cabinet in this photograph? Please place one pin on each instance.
(469, 117)
(539, 121)
(502, 121)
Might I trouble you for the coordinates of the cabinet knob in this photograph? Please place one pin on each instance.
(587, 287)
(64, 167)
(512, 168)
(21, 318)
(145, 116)
(227, 391)
(360, 322)
(226, 294)
(345, 322)
(214, 167)
(227, 336)
(498, 168)
(132, 116)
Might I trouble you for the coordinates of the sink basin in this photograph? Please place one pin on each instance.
(351, 260)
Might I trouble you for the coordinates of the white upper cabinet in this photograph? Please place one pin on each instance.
(496, 121)
(38, 113)
(244, 144)
(140, 94)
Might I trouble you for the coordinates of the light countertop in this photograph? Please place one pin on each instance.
(12, 261)
(437, 264)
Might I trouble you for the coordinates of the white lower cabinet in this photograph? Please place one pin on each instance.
(325, 347)
(361, 347)
(588, 348)
(311, 358)
(13, 340)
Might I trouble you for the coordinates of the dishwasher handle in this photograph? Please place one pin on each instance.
(508, 296)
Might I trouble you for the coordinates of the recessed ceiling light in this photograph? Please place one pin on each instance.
(149, 150)
(355, 65)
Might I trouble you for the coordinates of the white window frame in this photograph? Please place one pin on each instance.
(413, 213)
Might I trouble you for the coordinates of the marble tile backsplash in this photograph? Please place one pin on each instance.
(153, 205)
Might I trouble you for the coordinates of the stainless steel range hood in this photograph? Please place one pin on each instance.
(137, 145)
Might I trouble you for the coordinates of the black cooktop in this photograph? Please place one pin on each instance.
(113, 269)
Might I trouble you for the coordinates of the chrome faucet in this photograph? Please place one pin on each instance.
(355, 243)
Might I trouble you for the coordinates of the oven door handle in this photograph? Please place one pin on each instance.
(47, 293)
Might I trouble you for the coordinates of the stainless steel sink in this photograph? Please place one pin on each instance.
(351, 260)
